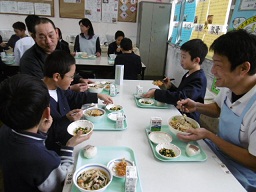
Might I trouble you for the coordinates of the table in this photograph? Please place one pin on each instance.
(155, 175)
(100, 64)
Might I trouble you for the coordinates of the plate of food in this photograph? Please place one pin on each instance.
(80, 125)
(181, 123)
(118, 167)
(146, 101)
(168, 150)
(114, 107)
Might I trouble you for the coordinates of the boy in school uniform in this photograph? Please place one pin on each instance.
(114, 47)
(131, 61)
(193, 84)
(65, 104)
(26, 163)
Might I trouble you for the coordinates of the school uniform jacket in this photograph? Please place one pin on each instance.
(67, 101)
(193, 87)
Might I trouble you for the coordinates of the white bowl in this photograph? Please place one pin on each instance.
(160, 137)
(146, 101)
(114, 107)
(192, 150)
(112, 166)
(102, 168)
(80, 123)
(168, 146)
(91, 114)
(113, 116)
(185, 124)
(95, 88)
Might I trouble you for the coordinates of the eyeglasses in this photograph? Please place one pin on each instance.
(70, 76)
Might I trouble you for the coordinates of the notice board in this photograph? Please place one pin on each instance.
(28, 7)
(72, 8)
(127, 10)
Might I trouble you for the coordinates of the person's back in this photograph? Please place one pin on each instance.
(131, 61)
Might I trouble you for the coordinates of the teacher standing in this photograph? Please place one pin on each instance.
(87, 41)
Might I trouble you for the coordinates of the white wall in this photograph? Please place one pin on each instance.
(71, 27)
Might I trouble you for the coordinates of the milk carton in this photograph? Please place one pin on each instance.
(139, 90)
(155, 123)
(131, 179)
(120, 121)
(112, 90)
(119, 74)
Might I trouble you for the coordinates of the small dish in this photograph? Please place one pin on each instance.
(114, 107)
(146, 101)
(113, 116)
(92, 56)
(72, 128)
(192, 150)
(112, 166)
(160, 137)
(164, 148)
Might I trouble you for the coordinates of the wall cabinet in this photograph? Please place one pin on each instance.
(152, 36)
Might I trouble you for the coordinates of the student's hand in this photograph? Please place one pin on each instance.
(194, 134)
(75, 114)
(3, 44)
(118, 49)
(77, 139)
(73, 54)
(79, 87)
(45, 124)
(106, 99)
(88, 81)
(166, 84)
(186, 105)
(98, 54)
(149, 94)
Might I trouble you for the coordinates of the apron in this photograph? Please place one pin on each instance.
(229, 130)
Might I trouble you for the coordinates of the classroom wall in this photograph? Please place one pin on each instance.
(70, 26)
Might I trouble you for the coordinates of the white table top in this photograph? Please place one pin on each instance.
(155, 175)
(98, 61)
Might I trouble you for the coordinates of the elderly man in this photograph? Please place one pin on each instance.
(234, 66)
(46, 41)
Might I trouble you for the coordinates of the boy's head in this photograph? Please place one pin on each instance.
(60, 66)
(23, 99)
(30, 23)
(238, 46)
(119, 35)
(126, 44)
(19, 28)
(195, 48)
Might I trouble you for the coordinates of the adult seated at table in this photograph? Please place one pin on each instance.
(46, 41)
(234, 66)
(131, 61)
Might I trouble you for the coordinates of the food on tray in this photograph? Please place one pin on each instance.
(146, 102)
(90, 151)
(84, 130)
(120, 167)
(107, 87)
(84, 55)
(92, 179)
(167, 152)
(115, 108)
(94, 112)
(158, 83)
(192, 150)
(181, 123)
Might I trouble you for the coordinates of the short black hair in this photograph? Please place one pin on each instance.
(59, 32)
(30, 22)
(195, 48)
(19, 25)
(126, 44)
(43, 20)
(58, 62)
(23, 99)
(238, 46)
(87, 23)
(119, 34)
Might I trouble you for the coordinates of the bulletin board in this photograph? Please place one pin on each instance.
(72, 8)
(28, 7)
(127, 10)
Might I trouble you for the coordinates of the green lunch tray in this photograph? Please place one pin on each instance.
(104, 155)
(182, 145)
(166, 106)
